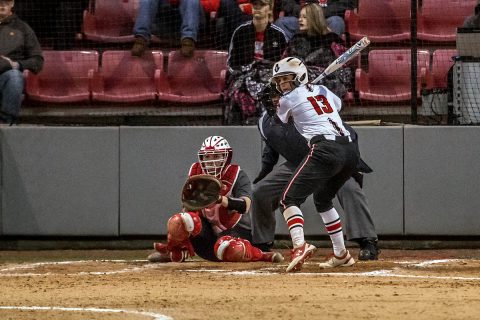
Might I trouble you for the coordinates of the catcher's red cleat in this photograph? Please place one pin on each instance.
(299, 256)
(162, 254)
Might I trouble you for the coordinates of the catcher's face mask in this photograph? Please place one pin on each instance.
(214, 155)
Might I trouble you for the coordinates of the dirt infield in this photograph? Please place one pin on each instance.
(108, 285)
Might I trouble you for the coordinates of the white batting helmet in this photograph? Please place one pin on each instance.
(290, 65)
(215, 145)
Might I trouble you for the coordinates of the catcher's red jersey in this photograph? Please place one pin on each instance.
(220, 217)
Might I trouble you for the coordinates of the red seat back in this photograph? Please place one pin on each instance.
(383, 20)
(439, 20)
(64, 75)
(393, 67)
(199, 75)
(110, 20)
(125, 74)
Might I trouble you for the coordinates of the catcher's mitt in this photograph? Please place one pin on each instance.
(200, 191)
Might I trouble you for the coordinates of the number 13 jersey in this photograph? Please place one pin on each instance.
(314, 109)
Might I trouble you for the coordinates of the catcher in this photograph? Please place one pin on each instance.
(215, 222)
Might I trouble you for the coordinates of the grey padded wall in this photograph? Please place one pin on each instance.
(59, 181)
(93, 181)
(154, 166)
(442, 174)
(382, 149)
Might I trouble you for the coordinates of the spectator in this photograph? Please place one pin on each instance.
(254, 47)
(317, 46)
(334, 12)
(191, 13)
(19, 50)
(473, 22)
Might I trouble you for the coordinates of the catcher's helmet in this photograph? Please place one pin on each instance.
(209, 155)
(290, 65)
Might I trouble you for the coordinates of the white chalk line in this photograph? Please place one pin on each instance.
(98, 273)
(260, 272)
(152, 315)
(375, 273)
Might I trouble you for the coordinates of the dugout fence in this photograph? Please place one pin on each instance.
(409, 73)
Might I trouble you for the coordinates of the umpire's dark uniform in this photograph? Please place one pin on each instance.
(283, 139)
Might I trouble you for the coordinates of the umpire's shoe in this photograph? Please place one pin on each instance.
(368, 249)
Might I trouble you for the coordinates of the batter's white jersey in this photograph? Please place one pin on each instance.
(314, 109)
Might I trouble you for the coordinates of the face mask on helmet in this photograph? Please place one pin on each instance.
(269, 97)
(290, 66)
(214, 155)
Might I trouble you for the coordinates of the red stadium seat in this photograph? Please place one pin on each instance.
(441, 63)
(123, 78)
(65, 77)
(193, 80)
(389, 74)
(381, 20)
(439, 20)
(110, 20)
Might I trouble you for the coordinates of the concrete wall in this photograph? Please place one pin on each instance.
(126, 181)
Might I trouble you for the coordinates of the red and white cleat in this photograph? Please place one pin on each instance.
(344, 261)
(299, 256)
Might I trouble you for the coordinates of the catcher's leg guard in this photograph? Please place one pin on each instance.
(181, 226)
(230, 249)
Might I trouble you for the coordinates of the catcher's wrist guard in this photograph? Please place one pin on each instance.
(237, 204)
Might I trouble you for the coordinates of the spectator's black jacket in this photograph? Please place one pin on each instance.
(19, 43)
(242, 45)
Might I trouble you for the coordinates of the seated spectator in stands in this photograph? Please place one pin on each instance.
(333, 10)
(473, 22)
(255, 46)
(318, 46)
(19, 50)
(191, 13)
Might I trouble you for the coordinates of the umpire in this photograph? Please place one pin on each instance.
(283, 139)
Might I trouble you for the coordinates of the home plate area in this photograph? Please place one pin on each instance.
(122, 285)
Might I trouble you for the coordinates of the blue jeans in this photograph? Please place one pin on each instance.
(11, 90)
(191, 13)
(289, 25)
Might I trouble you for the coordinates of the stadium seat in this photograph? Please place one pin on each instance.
(381, 20)
(123, 78)
(442, 62)
(389, 74)
(436, 23)
(193, 80)
(110, 20)
(65, 77)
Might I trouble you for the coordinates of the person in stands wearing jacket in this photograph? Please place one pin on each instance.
(255, 46)
(19, 50)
